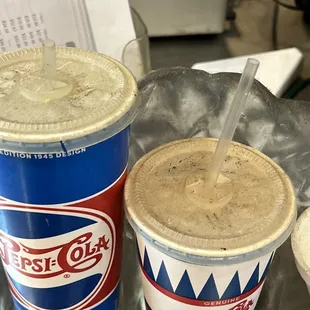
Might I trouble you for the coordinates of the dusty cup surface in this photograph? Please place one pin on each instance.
(201, 250)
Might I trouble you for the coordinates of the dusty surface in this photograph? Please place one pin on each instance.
(169, 195)
(91, 93)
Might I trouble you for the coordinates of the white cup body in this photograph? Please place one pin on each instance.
(173, 284)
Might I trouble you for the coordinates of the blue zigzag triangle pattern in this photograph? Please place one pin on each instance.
(147, 265)
(254, 280)
(163, 278)
(267, 267)
(209, 291)
(233, 289)
(185, 288)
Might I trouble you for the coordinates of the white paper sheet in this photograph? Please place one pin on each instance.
(24, 23)
(102, 25)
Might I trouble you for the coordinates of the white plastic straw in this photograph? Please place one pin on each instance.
(232, 120)
(49, 60)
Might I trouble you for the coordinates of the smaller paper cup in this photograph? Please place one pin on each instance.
(198, 253)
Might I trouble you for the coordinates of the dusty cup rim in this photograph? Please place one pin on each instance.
(212, 261)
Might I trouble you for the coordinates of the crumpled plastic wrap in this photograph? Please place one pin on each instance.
(181, 103)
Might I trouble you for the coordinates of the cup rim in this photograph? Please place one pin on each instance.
(212, 261)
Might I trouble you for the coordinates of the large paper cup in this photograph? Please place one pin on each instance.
(63, 158)
(197, 250)
(301, 246)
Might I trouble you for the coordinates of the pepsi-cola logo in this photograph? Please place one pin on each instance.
(61, 260)
(78, 255)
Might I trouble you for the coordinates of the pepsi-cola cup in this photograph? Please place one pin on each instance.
(63, 159)
(201, 249)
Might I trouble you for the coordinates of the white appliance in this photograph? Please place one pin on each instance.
(181, 17)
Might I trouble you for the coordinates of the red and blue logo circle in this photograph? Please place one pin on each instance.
(61, 224)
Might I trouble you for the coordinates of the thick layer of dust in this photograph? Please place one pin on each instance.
(95, 88)
(249, 208)
(259, 209)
